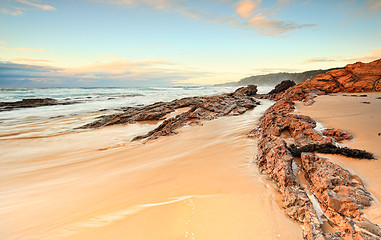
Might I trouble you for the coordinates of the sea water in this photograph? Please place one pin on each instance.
(89, 103)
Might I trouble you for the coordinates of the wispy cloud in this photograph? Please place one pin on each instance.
(374, 5)
(19, 7)
(31, 60)
(248, 13)
(359, 9)
(3, 46)
(23, 49)
(13, 12)
(37, 4)
(118, 72)
(274, 70)
(270, 27)
(369, 56)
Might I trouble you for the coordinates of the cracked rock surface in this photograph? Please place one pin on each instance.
(201, 108)
(285, 138)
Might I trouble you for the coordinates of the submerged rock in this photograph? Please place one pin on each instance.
(30, 103)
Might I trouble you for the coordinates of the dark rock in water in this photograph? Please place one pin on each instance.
(201, 108)
(27, 103)
(30, 103)
(283, 86)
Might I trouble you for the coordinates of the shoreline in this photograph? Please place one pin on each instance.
(143, 191)
(200, 182)
(103, 150)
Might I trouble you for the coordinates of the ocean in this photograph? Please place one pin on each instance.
(88, 104)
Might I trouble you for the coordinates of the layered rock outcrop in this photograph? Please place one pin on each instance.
(353, 78)
(201, 108)
(287, 141)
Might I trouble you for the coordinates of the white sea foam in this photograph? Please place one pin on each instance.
(48, 120)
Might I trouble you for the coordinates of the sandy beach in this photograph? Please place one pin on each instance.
(361, 116)
(199, 184)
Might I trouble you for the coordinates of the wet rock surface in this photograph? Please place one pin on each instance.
(30, 103)
(285, 138)
(201, 108)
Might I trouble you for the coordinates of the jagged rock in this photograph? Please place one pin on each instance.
(283, 86)
(342, 196)
(338, 134)
(357, 77)
(336, 188)
(250, 90)
(346, 196)
(201, 108)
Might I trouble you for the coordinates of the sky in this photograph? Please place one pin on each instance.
(128, 43)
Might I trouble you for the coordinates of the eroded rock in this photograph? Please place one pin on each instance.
(201, 109)
(341, 195)
(337, 134)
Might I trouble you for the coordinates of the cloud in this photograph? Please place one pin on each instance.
(25, 72)
(369, 56)
(374, 5)
(30, 60)
(158, 4)
(14, 12)
(271, 27)
(359, 9)
(264, 22)
(274, 70)
(246, 8)
(20, 49)
(23, 49)
(19, 7)
(316, 60)
(37, 5)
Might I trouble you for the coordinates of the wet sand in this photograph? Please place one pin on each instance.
(360, 116)
(199, 184)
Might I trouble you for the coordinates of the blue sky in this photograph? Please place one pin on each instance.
(45, 43)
